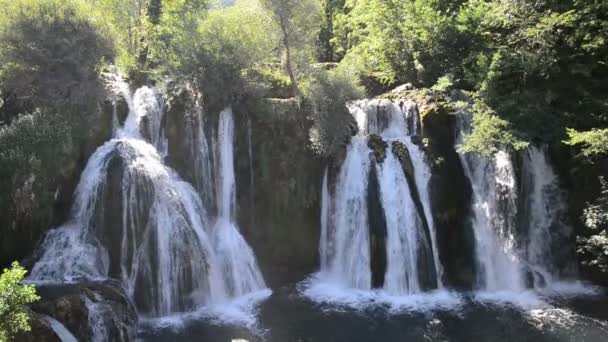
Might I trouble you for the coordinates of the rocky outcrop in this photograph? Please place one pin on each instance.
(40, 330)
(378, 147)
(450, 190)
(377, 227)
(86, 310)
(278, 191)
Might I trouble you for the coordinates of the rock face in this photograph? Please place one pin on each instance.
(89, 310)
(450, 191)
(279, 189)
(41, 330)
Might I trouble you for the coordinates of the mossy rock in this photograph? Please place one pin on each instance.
(378, 147)
(400, 150)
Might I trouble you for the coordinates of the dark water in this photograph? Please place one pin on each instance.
(288, 317)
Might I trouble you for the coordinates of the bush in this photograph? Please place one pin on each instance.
(593, 247)
(327, 93)
(594, 142)
(51, 51)
(489, 133)
(229, 41)
(13, 296)
(34, 150)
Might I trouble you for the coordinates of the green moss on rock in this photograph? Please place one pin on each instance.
(378, 147)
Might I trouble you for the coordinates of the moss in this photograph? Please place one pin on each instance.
(378, 146)
(400, 150)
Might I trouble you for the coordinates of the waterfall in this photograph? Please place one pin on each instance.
(544, 208)
(347, 245)
(236, 259)
(60, 330)
(422, 173)
(227, 188)
(135, 220)
(202, 156)
(412, 255)
(402, 222)
(508, 250)
(492, 218)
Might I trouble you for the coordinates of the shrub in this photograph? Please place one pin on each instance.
(34, 150)
(327, 94)
(594, 142)
(13, 296)
(51, 51)
(489, 133)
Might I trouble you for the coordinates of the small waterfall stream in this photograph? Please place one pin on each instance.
(236, 259)
(62, 332)
(347, 232)
(134, 219)
(512, 214)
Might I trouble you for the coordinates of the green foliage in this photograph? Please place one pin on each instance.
(443, 84)
(489, 133)
(34, 150)
(243, 34)
(407, 41)
(229, 42)
(51, 51)
(327, 94)
(593, 248)
(13, 296)
(595, 141)
(540, 65)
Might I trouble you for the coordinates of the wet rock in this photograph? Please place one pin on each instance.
(90, 309)
(378, 147)
(40, 330)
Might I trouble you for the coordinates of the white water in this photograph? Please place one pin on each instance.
(60, 330)
(544, 208)
(422, 174)
(161, 245)
(96, 320)
(344, 245)
(236, 259)
(402, 225)
(347, 247)
(493, 212)
(498, 195)
(202, 156)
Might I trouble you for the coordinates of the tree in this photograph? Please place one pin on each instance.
(327, 95)
(296, 21)
(51, 51)
(13, 296)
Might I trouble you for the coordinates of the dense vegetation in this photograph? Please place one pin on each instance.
(535, 70)
(13, 296)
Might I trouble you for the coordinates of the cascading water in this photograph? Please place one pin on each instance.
(544, 207)
(402, 222)
(509, 250)
(159, 246)
(347, 247)
(236, 259)
(135, 220)
(60, 330)
(412, 261)
(493, 214)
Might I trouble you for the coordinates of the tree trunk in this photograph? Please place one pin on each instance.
(292, 76)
